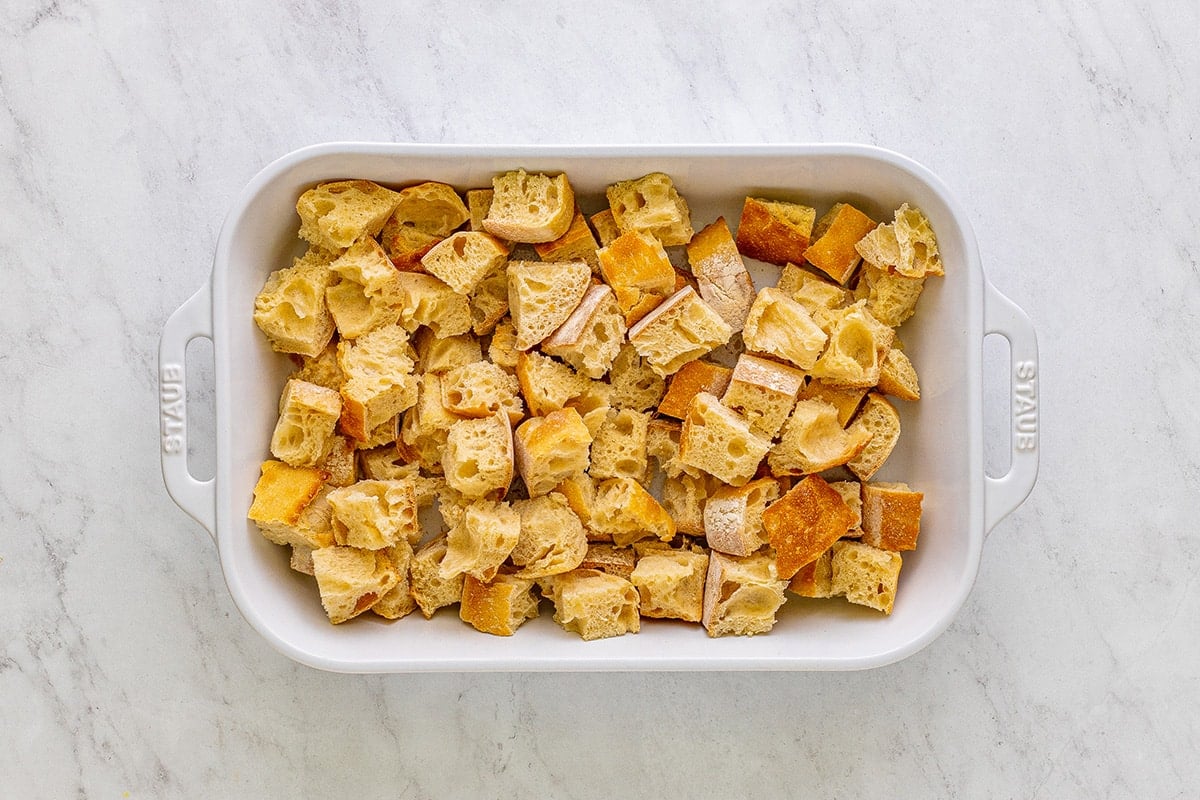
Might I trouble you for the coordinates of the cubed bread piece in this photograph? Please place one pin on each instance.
(813, 441)
(428, 301)
(609, 558)
(333, 215)
(498, 607)
(670, 584)
(907, 246)
(442, 354)
(593, 405)
(480, 543)
(721, 274)
(605, 226)
(552, 539)
(384, 464)
(386, 432)
(834, 237)
(322, 369)
(651, 204)
(634, 383)
(851, 492)
(684, 497)
(763, 392)
(733, 516)
(804, 523)
(530, 207)
(478, 459)
(662, 444)
(819, 296)
(427, 424)
(546, 384)
(898, 377)
(463, 259)
(715, 439)
(891, 298)
(431, 207)
(351, 580)
(691, 379)
(308, 415)
(858, 343)
(542, 295)
(481, 389)
(502, 349)
(865, 575)
(592, 335)
(479, 202)
(379, 381)
(775, 231)
(290, 507)
(619, 449)
(340, 461)
(594, 604)
(579, 490)
(398, 602)
(681, 329)
(372, 514)
(815, 579)
(355, 311)
(637, 268)
(779, 326)
(624, 510)
(489, 301)
(291, 308)
(577, 244)
(880, 419)
(405, 245)
(429, 589)
(301, 560)
(891, 515)
(741, 595)
(550, 449)
(365, 264)
(846, 400)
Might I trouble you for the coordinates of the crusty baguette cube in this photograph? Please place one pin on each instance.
(681, 329)
(716, 440)
(463, 259)
(478, 459)
(482, 541)
(530, 207)
(804, 523)
(289, 505)
(429, 301)
(594, 604)
(891, 515)
(775, 231)
(605, 226)
(637, 268)
(498, 607)
(624, 510)
(301, 560)
(733, 516)
(542, 295)
(379, 381)
(619, 448)
(851, 492)
(846, 400)
(834, 237)
(291, 308)
(579, 490)
(489, 301)
(356, 312)
(819, 296)
(763, 392)
(635, 384)
(552, 539)
(546, 384)
(907, 246)
(340, 461)
(881, 421)
(779, 326)
(372, 514)
(442, 354)
(898, 377)
(741, 595)
(721, 274)
(333, 215)
(405, 245)
(619, 561)
(858, 344)
(891, 297)
(662, 444)
(398, 601)
(691, 379)
(385, 464)
(386, 432)
(429, 589)
(426, 425)
(865, 575)
(684, 497)
(592, 336)
(481, 389)
(308, 414)
(651, 204)
(351, 580)
(577, 244)
(815, 579)
(813, 441)
(431, 207)
(550, 449)
(670, 584)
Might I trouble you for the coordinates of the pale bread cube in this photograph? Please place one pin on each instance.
(541, 296)
(478, 459)
(721, 274)
(881, 421)
(619, 448)
(398, 602)
(681, 329)
(627, 512)
(733, 516)
(716, 440)
(429, 301)
(779, 326)
(481, 389)
(351, 580)
(763, 392)
(594, 604)
(333, 215)
(619, 561)
(552, 539)
(592, 336)
(379, 381)
(373, 514)
(462, 260)
(482, 541)
(530, 207)
(429, 589)
(308, 415)
(670, 584)
(813, 441)
(431, 207)
(741, 595)
(858, 344)
(291, 308)
(865, 575)
(634, 383)
(651, 204)
(546, 384)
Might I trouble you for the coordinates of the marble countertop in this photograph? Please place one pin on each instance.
(1067, 130)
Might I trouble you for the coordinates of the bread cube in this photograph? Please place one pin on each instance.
(308, 415)
(662, 444)
(605, 226)
(681, 329)
(502, 349)
(592, 336)
(530, 207)
(851, 492)
(651, 204)
(489, 302)
(619, 449)
(890, 297)
(463, 259)
(386, 432)
(384, 464)
(845, 399)
(627, 512)
(775, 231)
(321, 369)
(480, 390)
(721, 274)
(405, 245)
(684, 497)
(813, 441)
(550, 449)
(340, 461)
(577, 244)
(594, 604)
(634, 383)
(779, 326)
(865, 575)
(719, 442)
(291, 308)
(333, 215)
(818, 295)
(398, 602)
(497, 607)
(804, 523)
(552, 539)
(546, 384)
(482, 541)
(763, 392)
(428, 301)
(670, 584)
(891, 515)
(815, 579)
(733, 516)
(609, 558)
(351, 580)
(881, 421)
(834, 237)
(637, 268)
(858, 344)
(478, 459)
(426, 425)
(371, 515)
(287, 505)
(356, 312)
(431, 207)
(379, 381)
(741, 595)
(906, 247)
(541, 296)
(691, 379)
(442, 354)
(429, 589)
(898, 377)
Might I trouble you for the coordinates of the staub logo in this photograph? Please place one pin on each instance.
(1025, 405)
(171, 408)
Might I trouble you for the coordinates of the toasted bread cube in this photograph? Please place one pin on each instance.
(429, 589)
(379, 381)
(577, 244)
(670, 584)
(881, 421)
(637, 268)
(502, 349)
(606, 227)
(635, 384)
(593, 405)
(651, 204)
(804, 523)
(846, 400)
(891, 298)
(480, 390)
(684, 497)
(681, 329)
(718, 441)
(741, 595)
(609, 558)
(480, 543)
(779, 326)
(366, 265)
(356, 312)
(530, 207)
(835, 235)
(891, 515)
(763, 392)
(691, 379)
(289, 505)
(733, 516)
(308, 415)
(428, 301)
(898, 377)
(398, 602)
(579, 490)
(550, 449)
(334, 215)
(371, 515)
(291, 308)
(546, 384)
(815, 579)
(431, 207)
(478, 459)
(619, 449)
(498, 607)
(463, 259)
(851, 492)
(775, 231)
(351, 580)
(906, 247)
(865, 575)
(542, 295)
(385, 464)
(552, 539)
(479, 202)
(858, 344)
(594, 604)
(721, 274)
(813, 441)
(405, 245)
(624, 510)
(592, 336)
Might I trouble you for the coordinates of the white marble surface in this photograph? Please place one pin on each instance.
(1067, 129)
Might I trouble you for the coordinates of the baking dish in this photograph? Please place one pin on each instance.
(940, 452)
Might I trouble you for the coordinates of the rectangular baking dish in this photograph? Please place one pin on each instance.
(940, 449)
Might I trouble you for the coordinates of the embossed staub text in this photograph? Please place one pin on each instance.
(172, 408)
(1025, 422)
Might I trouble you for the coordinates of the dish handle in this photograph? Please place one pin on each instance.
(191, 320)
(1004, 494)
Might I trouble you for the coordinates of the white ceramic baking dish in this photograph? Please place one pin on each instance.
(940, 451)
